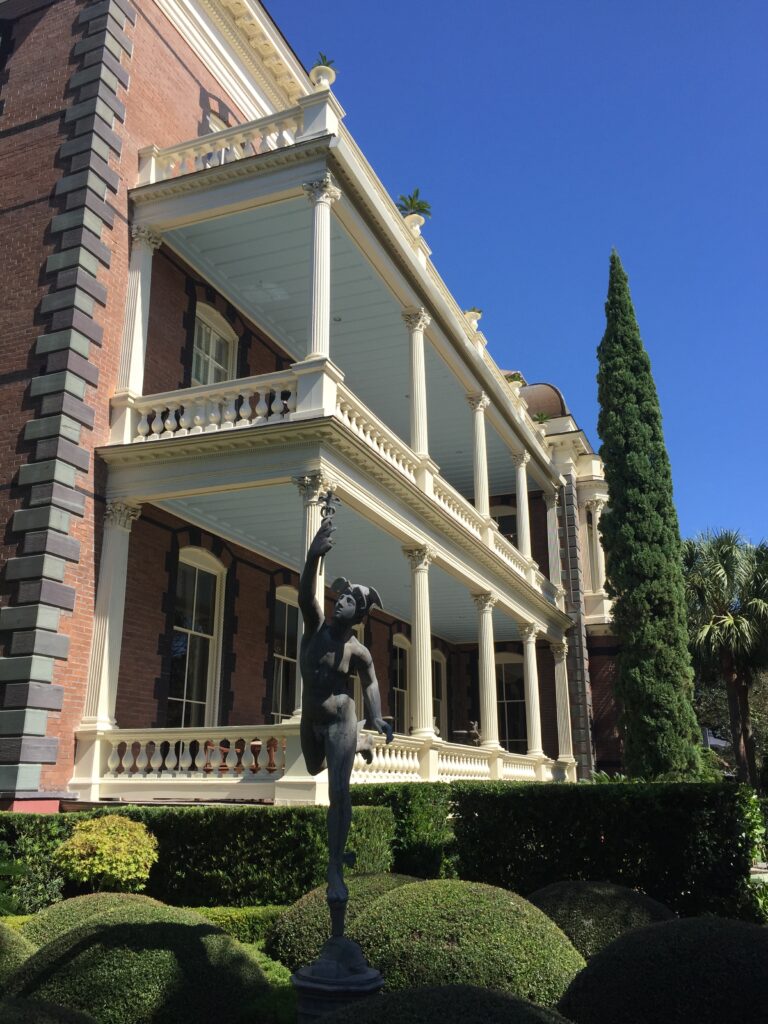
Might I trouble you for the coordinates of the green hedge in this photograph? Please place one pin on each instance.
(444, 1004)
(226, 856)
(688, 845)
(246, 924)
(423, 834)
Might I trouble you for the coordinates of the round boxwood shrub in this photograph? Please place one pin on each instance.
(707, 970)
(592, 914)
(446, 931)
(445, 1004)
(47, 925)
(144, 964)
(14, 950)
(29, 1011)
(298, 934)
(111, 852)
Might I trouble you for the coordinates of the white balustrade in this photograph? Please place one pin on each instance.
(457, 506)
(397, 761)
(457, 762)
(201, 754)
(373, 433)
(223, 147)
(214, 408)
(511, 555)
(517, 767)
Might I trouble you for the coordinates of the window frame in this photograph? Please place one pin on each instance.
(440, 659)
(205, 561)
(504, 509)
(216, 323)
(289, 596)
(401, 642)
(510, 658)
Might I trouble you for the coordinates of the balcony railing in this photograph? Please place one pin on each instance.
(250, 763)
(375, 434)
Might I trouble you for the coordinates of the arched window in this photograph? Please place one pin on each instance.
(440, 693)
(193, 694)
(214, 357)
(510, 690)
(285, 644)
(506, 520)
(401, 711)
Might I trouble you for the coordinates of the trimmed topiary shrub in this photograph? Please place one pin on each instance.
(145, 964)
(423, 830)
(28, 1011)
(297, 935)
(592, 914)
(446, 1004)
(49, 924)
(246, 924)
(112, 853)
(701, 969)
(14, 950)
(446, 931)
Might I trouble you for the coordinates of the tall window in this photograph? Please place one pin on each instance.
(195, 645)
(357, 686)
(439, 693)
(285, 652)
(506, 520)
(510, 690)
(215, 345)
(401, 717)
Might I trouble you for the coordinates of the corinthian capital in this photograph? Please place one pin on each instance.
(485, 602)
(141, 235)
(120, 515)
(559, 651)
(528, 631)
(552, 500)
(313, 486)
(479, 403)
(520, 459)
(420, 558)
(416, 319)
(322, 191)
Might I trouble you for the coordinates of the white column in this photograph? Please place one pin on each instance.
(321, 194)
(479, 403)
(521, 460)
(597, 510)
(562, 697)
(420, 682)
(101, 694)
(553, 538)
(416, 320)
(130, 377)
(489, 711)
(529, 632)
(312, 488)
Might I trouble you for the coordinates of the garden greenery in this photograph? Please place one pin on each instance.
(112, 853)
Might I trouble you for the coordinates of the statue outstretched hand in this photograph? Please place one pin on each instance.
(323, 540)
(384, 728)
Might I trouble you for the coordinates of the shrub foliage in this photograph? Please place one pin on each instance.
(29, 1011)
(703, 969)
(444, 931)
(112, 853)
(690, 846)
(14, 950)
(592, 914)
(444, 1004)
(49, 924)
(297, 935)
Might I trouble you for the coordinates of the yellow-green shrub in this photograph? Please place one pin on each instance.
(111, 853)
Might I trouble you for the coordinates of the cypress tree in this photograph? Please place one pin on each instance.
(641, 538)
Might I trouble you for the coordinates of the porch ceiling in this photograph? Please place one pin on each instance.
(268, 520)
(260, 259)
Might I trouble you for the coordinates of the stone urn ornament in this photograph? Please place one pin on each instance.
(321, 75)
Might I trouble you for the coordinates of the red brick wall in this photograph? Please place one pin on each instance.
(605, 711)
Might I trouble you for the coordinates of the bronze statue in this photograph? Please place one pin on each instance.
(330, 655)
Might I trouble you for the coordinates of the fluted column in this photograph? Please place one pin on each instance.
(478, 404)
(563, 701)
(130, 377)
(321, 194)
(416, 320)
(521, 460)
(489, 711)
(421, 642)
(101, 693)
(553, 538)
(596, 507)
(312, 488)
(531, 680)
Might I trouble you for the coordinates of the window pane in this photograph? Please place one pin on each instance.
(178, 664)
(174, 714)
(217, 375)
(291, 630)
(185, 596)
(197, 668)
(194, 714)
(279, 637)
(205, 602)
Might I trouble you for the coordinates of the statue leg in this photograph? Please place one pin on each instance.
(340, 744)
(312, 745)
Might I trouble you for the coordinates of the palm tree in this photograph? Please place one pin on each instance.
(726, 584)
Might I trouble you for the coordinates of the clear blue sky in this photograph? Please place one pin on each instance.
(544, 132)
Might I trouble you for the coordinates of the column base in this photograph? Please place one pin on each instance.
(568, 766)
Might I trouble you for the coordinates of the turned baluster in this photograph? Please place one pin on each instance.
(114, 760)
(229, 414)
(142, 428)
(199, 417)
(261, 408)
(142, 761)
(185, 421)
(244, 413)
(156, 760)
(230, 761)
(185, 757)
(214, 414)
(169, 421)
(214, 758)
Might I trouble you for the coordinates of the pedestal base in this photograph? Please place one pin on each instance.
(339, 976)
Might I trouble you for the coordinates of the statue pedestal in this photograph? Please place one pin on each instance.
(340, 976)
